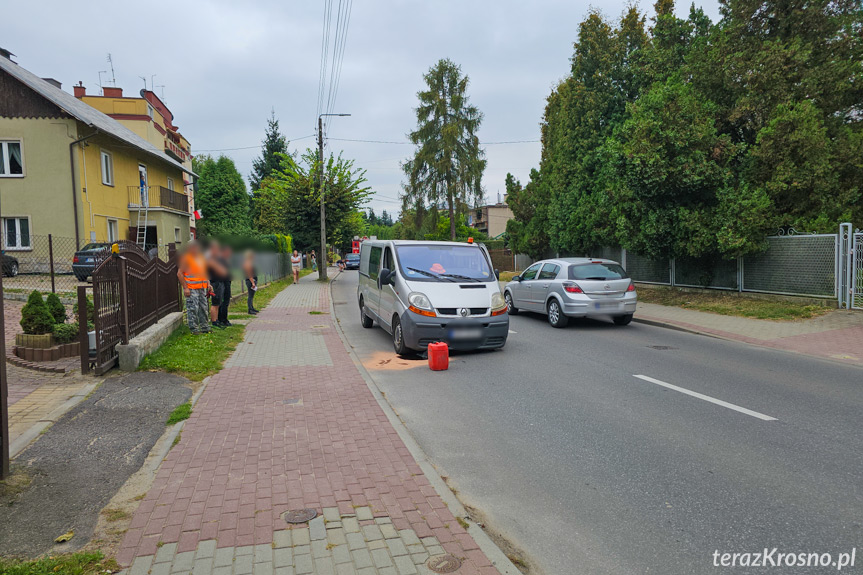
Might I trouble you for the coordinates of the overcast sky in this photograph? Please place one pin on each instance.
(225, 65)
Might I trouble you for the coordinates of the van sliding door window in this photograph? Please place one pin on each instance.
(374, 263)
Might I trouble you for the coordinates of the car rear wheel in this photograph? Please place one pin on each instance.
(622, 319)
(555, 314)
(12, 270)
(509, 305)
(365, 320)
(398, 338)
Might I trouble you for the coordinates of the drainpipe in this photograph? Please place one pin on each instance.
(75, 186)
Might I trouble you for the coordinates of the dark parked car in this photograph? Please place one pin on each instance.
(85, 260)
(352, 262)
(10, 266)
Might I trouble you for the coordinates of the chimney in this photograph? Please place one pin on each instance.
(53, 82)
(112, 92)
(4, 53)
(80, 91)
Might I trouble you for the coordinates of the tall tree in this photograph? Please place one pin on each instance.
(274, 143)
(448, 163)
(221, 196)
(290, 199)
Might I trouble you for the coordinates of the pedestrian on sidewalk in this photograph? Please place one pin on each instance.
(251, 279)
(217, 273)
(314, 262)
(296, 262)
(192, 273)
(227, 278)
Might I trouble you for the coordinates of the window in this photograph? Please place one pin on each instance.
(11, 161)
(430, 263)
(530, 273)
(549, 272)
(107, 168)
(176, 233)
(150, 111)
(113, 231)
(374, 262)
(597, 271)
(16, 233)
(170, 184)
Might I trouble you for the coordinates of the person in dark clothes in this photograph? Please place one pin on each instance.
(216, 271)
(226, 286)
(251, 279)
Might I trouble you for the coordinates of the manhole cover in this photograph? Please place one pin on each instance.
(319, 327)
(661, 347)
(302, 516)
(292, 401)
(444, 564)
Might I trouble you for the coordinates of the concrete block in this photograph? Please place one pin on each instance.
(148, 341)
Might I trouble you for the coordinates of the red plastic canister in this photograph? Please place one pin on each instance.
(438, 356)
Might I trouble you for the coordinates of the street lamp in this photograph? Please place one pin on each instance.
(322, 267)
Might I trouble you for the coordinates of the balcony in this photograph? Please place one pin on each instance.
(153, 197)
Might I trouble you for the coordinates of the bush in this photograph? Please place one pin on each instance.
(66, 332)
(56, 307)
(90, 311)
(35, 317)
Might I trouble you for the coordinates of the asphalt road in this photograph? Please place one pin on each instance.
(589, 469)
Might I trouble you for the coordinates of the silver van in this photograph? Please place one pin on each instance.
(425, 292)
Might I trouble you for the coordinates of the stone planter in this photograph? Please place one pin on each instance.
(34, 341)
(40, 354)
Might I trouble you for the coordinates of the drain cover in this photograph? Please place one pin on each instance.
(292, 401)
(661, 347)
(444, 564)
(304, 516)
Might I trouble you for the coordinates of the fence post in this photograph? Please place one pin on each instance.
(740, 274)
(5, 444)
(124, 300)
(51, 261)
(83, 338)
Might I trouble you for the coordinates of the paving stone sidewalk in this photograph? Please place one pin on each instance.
(290, 424)
(837, 335)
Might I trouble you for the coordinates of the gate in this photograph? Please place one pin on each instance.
(856, 281)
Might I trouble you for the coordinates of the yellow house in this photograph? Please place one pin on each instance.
(150, 118)
(68, 170)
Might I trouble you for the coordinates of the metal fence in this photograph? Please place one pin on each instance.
(131, 292)
(812, 265)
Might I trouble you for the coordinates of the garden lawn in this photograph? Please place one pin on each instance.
(725, 304)
(194, 356)
(265, 295)
(73, 564)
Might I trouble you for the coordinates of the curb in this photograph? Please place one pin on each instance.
(658, 323)
(494, 553)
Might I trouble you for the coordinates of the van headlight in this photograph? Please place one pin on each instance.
(420, 304)
(498, 304)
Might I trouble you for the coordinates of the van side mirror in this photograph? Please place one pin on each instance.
(497, 274)
(385, 277)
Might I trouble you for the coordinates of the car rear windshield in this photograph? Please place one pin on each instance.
(95, 247)
(353, 257)
(443, 263)
(596, 271)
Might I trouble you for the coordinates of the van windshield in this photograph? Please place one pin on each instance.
(443, 263)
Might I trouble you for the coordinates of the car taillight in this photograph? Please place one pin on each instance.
(75, 260)
(571, 287)
(631, 287)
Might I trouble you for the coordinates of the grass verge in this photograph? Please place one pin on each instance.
(194, 356)
(72, 564)
(181, 413)
(507, 276)
(725, 304)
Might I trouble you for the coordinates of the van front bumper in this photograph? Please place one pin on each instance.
(419, 331)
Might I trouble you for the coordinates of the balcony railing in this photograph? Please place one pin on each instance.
(157, 197)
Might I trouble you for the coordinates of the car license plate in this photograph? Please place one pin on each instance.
(468, 333)
(605, 305)
(88, 260)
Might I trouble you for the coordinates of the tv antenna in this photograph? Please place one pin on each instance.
(111, 64)
(162, 92)
(145, 81)
(100, 77)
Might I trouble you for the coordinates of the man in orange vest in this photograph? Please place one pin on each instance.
(192, 272)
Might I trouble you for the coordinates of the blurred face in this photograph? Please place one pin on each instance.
(295, 252)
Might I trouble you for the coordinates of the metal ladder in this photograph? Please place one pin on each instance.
(141, 239)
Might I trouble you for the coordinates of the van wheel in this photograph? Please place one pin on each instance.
(365, 320)
(398, 338)
(555, 314)
(622, 319)
(510, 307)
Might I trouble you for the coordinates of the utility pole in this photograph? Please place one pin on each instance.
(5, 443)
(323, 260)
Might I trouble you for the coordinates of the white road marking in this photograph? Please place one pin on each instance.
(708, 398)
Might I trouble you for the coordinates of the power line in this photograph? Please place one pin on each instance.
(411, 143)
(253, 147)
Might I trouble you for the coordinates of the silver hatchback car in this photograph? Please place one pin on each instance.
(573, 287)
